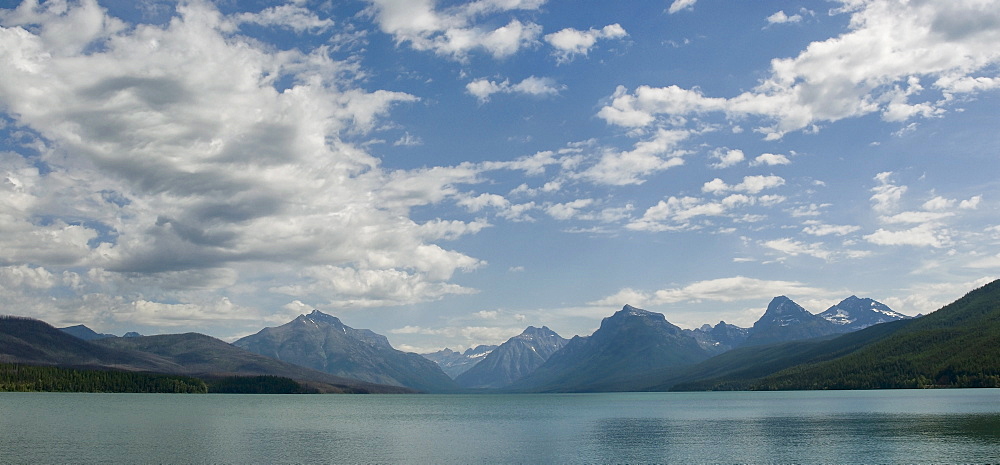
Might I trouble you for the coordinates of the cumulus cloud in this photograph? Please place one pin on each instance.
(570, 43)
(482, 89)
(770, 159)
(294, 17)
(650, 156)
(568, 210)
(453, 32)
(820, 229)
(780, 17)
(727, 158)
(924, 235)
(860, 72)
(679, 5)
(792, 247)
(733, 289)
(750, 185)
(886, 195)
(169, 153)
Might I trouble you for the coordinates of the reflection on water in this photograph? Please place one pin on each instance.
(833, 427)
(855, 438)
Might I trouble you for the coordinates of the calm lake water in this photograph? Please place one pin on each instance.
(926, 426)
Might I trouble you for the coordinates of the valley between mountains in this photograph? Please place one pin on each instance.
(859, 343)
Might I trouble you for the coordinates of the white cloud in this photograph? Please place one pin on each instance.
(452, 32)
(408, 140)
(770, 159)
(939, 203)
(924, 235)
(568, 210)
(676, 213)
(750, 185)
(792, 247)
(860, 72)
(290, 16)
(172, 157)
(781, 18)
(971, 203)
(679, 5)
(738, 288)
(569, 42)
(818, 229)
(886, 195)
(647, 157)
(482, 89)
(727, 158)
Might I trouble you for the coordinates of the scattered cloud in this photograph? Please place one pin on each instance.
(860, 72)
(734, 289)
(679, 5)
(570, 43)
(482, 89)
(727, 157)
(780, 17)
(770, 159)
(453, 32)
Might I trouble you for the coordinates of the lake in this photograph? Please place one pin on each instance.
(912, 426)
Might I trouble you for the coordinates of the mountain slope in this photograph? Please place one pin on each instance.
(322, 342)
(739, 368)
(630, 341)
(513, 360)
(854, 313)
(206, 356)
(956, 346)
(721, 337)
(455, 363)
(85, 333)
(785, 320)
(34, 342)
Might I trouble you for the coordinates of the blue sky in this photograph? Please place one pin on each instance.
(447, 173)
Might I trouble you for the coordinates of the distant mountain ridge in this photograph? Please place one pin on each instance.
(630, 341)
(33, 342)
(513, 360)
(322, 342)
(455, 363)
(634, 349)
(85, 333)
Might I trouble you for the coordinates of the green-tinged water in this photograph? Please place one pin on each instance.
(927, 426)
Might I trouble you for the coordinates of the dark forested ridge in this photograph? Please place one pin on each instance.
(956, 346)
(27, 378)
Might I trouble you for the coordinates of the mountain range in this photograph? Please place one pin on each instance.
(322, 342)
(513, 360)
(32, 342)
(858, 343)
(455, 363)
(629, 341)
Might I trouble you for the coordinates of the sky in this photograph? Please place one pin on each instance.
(447, 173)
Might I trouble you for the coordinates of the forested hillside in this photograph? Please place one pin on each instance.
(26, 378)
(956, 346)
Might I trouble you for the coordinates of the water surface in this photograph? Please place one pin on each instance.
(913, 426)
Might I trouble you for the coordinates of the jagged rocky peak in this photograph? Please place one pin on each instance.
(854, 313)
(629, 312)
(633, 311)
(532, 332)
(317, 316)
(782, 311)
